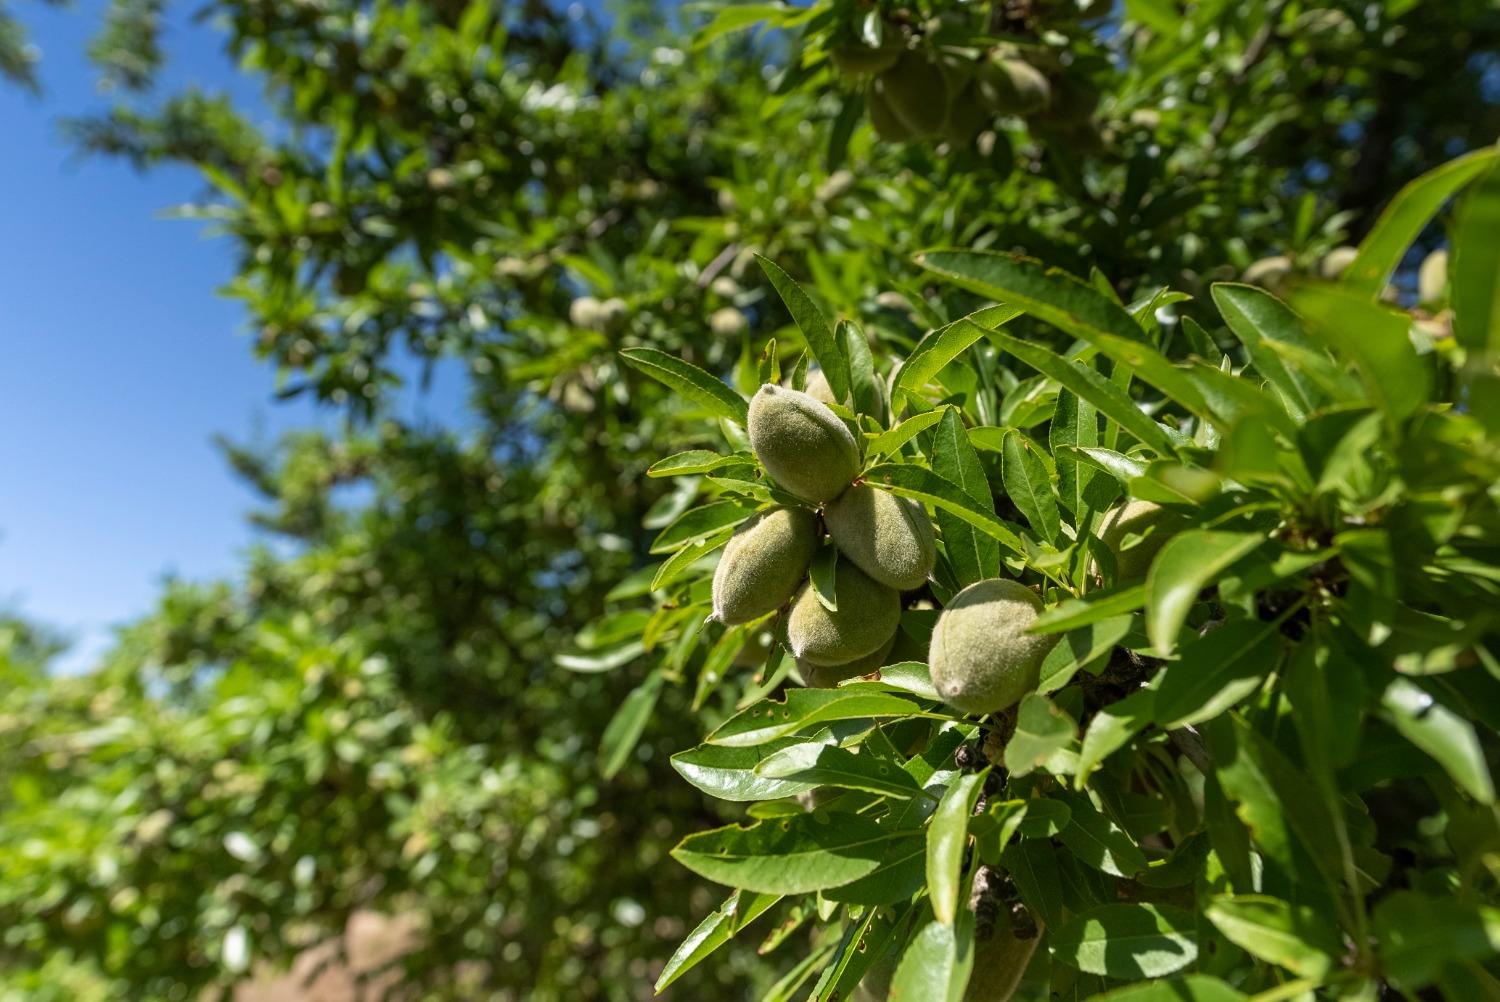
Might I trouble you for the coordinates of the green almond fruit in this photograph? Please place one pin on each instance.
(803, 445)
(1013, 86)
(866, 619)
(1269, 273)
(917, 94)
(967, 115)
(829, 676)
(764, 563)
(1153, 523)
(982, 659)
(887, 537)
(1336, 261)
(1432, 278)
(859, 60)
(887, 126)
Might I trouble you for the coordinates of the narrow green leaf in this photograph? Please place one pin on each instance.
(863, 387)
(939, 347)
(830, 765)
(1419, 934)
(769, 719)
(696, 461)
(684, 559)
(794, 855)
(1404, 218)
(947, 840)
(1032, 865)
(1041, 739)
(823, 576)
(1075, 424)
(1187, 988)
(1278, 932)
(821, 341)
(1081, 648)
(890, 441)
(1095, 607)
(973, 555)
(1128, 941)
(1375, 339)
(696, 523)
(729, 773)
(1113, 727)
(1029, 487)
(1188, 563)
(1440, 732)
(714, 931)
(690, 381)
(1216, 671)
(1098, 841)
(937, 963)
(1256, 317)
(1475, 293)
(1084, 381)
(625, 728)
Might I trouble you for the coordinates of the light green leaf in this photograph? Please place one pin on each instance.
(684, 559)
(696, 523)
(1128, 941)
(1029, 487)
(1094, 607)
(973, 555)
(627, 725)
(729, 773)
(821, 342)
(1081, 648)
(1278, 932)
(1216, 671)
(769, 719)
(794, 855)
(890, 441)
(939, 347)
(1419, 934)
(1098, 841)
(947, 842)
(738, 911)
(937, 963)
(830, 765)
(696, 461)
(1404, 218)
(1188, 563)
(1256, 317)
(1041, 739)
(1375, 339)
(1188, 988)
(692, 382)
(1441, 733)
(1475, 292)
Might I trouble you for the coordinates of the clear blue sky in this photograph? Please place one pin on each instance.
(118, 359)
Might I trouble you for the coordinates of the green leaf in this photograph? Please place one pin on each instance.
(1419, 934)
(601, 659)
(696, 523)
(888, 442)
(729, 773)
(973, 555)
(941, 346)
(1032, 865)
(1098, 841)
(905, 480)
(1405, 217)
(1216, 671)
(1375, 339)
(683, 560)
(1278, 932)
(1081, 648)
(1125, 469)
(947, 842)
(738, 18)
(1128, 941)
(1113, 727)
(1256, 317)
(794, 855)
(937, 963)
(863, 381)
(1041, 739)
(900, 874)
(1094, 607)
(1084, 381)
(696, 461)
(1475, 293)
(823, 576)
(821, 342)
(738, 911)
(768, 719)
(830, 765)
(1188, 563)
(1441, 733)
(1188, 988)
(865, 944)
(1075, 424)
(1029, 487)
(690, 381)
(627, 725)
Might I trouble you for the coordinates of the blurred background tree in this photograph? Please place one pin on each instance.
(388, 711)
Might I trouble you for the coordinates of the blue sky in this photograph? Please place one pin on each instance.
(118, 359)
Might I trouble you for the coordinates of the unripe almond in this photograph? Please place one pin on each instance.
(887, 537)
(857, 60)
(883, 117)
(867, 617)
(1432, 278)
(1136, 518)
(727, 322)
(829, 676)
(801, 443)
(1336, 261)
(1013, 86)
(982, 659)
(763, 564)
(916, 92)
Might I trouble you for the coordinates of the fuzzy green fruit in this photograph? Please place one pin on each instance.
(1013, 86)
(916, 93)
(887, 537)
(1336, 261)
(763, 563)
(982, 659)
(999, 962)
(883, 117)
(858, 60)
(802, 444)
(829, 676)
(585, 312)
(868, 615)
(818, 388)
(967, 114)
(1136, 518)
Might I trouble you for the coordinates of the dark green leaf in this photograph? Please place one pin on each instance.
(947, 843)
(1029, 487)
(792, 855)
(714, 931)
(769, 719)
(1128, 941)
(822, 344)
(689, 380)
(941, 346)
(1278, 932)
(1441, 733)
(973, 555)
(1188, 563)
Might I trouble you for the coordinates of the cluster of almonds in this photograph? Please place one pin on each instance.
(981, 657)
